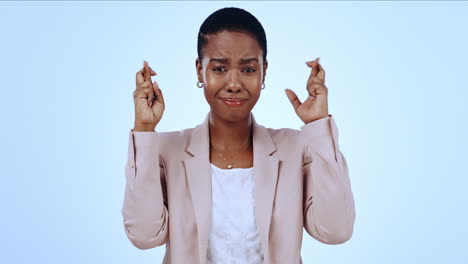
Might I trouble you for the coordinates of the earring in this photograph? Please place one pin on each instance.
(263, 86)
(199, 84)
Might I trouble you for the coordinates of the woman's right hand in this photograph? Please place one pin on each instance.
(149, 101)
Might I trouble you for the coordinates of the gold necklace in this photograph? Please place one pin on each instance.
(230, 164)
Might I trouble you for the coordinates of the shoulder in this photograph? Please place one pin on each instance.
(176, 136)
(323, 126)
(282, 132)
(284, 138)
(175, 139)
(285, 142)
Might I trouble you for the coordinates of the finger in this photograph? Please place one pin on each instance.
(314, 79)
(149, 100)
(321, 73)
(149, 94)
(145, 94)
(314, 65)
(139, 77)
(314, 71)
(293, 98)
(147, 72)
(152, 71)
(145, 85)
(317, 89)
(157, 93)
(144, 91)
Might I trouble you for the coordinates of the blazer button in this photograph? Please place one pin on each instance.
(131, 163)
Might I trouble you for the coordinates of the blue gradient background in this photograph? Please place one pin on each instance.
(397, 79)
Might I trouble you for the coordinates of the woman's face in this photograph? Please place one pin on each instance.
(232, 71)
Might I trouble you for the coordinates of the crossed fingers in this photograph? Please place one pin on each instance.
(143, 76)
(316, 81)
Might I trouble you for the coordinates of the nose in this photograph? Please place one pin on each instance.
(234, 84)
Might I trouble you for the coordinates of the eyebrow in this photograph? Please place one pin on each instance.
(242, 61)
(220, 60)
(245, 61)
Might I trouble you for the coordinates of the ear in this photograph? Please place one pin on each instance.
(265, 70)
(199, 69)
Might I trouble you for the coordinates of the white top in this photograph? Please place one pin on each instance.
(234, 237)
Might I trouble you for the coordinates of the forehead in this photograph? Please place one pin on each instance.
(231, 45)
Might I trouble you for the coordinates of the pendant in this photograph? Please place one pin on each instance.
(229, 166)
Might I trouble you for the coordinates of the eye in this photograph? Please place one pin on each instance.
(249, 70)
(219, 69)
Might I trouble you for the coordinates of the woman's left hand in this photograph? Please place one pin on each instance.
(316, 105)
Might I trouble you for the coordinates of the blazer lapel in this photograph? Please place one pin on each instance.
(198, 172)
(266, 170)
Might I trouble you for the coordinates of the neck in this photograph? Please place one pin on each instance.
(230, 136)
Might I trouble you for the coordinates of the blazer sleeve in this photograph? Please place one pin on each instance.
(329, 211)
(144, 211)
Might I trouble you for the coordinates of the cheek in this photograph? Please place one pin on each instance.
(211, 89)
(255, 86)
(213, 82)
(256, 95)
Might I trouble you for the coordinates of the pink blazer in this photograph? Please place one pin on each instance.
(301, 181)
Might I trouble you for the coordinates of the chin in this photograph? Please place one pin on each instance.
(233, 116)
(236, 117)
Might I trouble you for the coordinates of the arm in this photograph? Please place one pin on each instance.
(329, 211)
(145, 214)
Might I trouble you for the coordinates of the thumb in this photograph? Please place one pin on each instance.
(293, 98)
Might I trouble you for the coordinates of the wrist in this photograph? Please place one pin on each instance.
(143, 128)
(315, 119)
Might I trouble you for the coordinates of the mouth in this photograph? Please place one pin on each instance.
(233, 102)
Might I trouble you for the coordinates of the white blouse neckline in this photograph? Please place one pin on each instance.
(228, 170)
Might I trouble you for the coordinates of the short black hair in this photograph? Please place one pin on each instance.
(231, 19)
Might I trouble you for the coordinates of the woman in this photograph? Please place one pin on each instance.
(231, 190)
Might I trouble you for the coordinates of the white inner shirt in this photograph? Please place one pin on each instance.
(234, 237)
